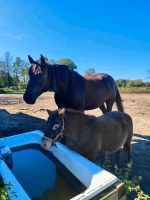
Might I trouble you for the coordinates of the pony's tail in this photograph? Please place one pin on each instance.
(118, 101)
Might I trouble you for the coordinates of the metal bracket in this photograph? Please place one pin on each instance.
(6, 155)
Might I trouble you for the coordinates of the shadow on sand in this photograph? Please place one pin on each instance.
(11, 124)
(141, 159)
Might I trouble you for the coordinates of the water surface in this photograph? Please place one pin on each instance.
(40, 177)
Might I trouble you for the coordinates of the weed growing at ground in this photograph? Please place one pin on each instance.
(132, 184)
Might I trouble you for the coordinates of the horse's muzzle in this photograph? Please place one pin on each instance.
(29, 99)
(46, 144)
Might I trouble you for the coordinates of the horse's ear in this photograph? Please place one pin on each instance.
(61, 112)
(31, 59)
(42, 60)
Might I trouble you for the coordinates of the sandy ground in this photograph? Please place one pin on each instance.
(18, 117)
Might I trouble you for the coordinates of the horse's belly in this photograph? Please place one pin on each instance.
(93, 103)
(112, 147)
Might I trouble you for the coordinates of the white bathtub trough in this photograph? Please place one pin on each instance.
(93, 178)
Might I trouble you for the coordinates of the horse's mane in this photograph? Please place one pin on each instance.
(64, 68)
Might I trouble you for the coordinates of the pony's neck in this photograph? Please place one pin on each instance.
(76, 122)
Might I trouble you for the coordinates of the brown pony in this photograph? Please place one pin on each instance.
(89, 135)
(71, 89)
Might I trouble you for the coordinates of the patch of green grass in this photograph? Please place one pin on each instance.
(4, 189)
(11, 90)
(135, 90)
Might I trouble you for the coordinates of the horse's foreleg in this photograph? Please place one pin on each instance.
(103, 109)
(58, 101)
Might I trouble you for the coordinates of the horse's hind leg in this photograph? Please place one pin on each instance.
(103, 109)
(109, 104)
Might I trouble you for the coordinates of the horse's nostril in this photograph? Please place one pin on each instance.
(44, 144)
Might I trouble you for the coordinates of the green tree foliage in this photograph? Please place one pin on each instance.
(121, 82)
(89, 72)
(13, 73)
(147, 84)
(24, 75)
(135, 83)
(132, 83)
(5, 82)
(6, 67)
(68, 62)
(16, 66)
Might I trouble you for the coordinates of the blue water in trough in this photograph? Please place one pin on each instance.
(40, 176)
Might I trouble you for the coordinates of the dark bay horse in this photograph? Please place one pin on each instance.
(89, 135)
(71, 89)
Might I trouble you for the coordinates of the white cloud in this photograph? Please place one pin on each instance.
(12, 35)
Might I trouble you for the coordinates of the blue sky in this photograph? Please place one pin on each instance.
(112, 36)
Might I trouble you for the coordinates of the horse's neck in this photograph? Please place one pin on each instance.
(66, 76)
(60, 75)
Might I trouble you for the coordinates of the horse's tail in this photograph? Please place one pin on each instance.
(118, 101)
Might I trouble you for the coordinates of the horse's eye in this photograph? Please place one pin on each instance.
(55, 126)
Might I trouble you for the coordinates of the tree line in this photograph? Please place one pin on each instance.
(132, 83)
(14, 72)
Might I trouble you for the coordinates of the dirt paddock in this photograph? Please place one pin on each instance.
(18, 117)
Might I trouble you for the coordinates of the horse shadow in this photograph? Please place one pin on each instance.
(141, 159)
(11, 124)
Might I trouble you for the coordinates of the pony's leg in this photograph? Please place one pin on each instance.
(103, 109)
(127, 149)
(91, 157)
(109, 104)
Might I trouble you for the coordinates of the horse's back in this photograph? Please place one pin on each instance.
(99, 76)
(116, 121)
(118, 116)
(116, 125)
(98, 89)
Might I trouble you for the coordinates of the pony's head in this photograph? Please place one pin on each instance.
(54, 128)
(38, 80)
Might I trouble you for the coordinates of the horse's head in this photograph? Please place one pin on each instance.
(54, 128)
(38, 80)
